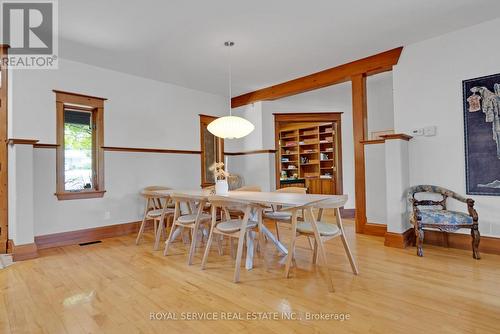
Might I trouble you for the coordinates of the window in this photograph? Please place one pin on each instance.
(212, 150)
(80, 160)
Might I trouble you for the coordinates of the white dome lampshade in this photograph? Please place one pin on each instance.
(230, 127)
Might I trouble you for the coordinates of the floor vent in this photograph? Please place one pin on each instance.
(90, 243)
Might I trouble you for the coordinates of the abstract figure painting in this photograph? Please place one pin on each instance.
(481, 100)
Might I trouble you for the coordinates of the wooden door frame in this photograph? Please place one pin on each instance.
(315, 117)
(4, 160)
(356, 72)
(206, 119)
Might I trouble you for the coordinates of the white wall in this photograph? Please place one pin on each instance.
(380, 102)
(428, 91)
(375, 183)
(380, 117)
(138, 113)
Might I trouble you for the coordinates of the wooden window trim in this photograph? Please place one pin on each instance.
(204, 121)
(89, 103)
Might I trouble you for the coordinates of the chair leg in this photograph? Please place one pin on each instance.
(231, 248)
(143, 224)
(348, 252)
(169, 239)
(241, 240)
(194, 234)
(311, 244)
(277, 230)
(210, 237)
(476, 238)
(291, 248)
(321, 247)
(219, 245)
(419, 233)
(315, 252)
(261, 245)
(155, 226)
(159, 228)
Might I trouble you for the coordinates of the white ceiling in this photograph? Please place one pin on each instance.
(181, 41)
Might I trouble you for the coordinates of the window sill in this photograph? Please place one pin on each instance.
(79, 195)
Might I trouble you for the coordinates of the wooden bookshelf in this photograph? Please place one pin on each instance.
(308, 154)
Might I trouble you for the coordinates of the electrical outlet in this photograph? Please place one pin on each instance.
(107, 215)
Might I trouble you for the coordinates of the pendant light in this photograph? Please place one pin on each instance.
(230, 127)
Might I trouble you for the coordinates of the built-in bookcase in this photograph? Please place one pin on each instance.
(308, 154)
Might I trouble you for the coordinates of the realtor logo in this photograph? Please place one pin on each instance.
(30, 29)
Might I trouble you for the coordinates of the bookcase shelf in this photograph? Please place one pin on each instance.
(311, 150)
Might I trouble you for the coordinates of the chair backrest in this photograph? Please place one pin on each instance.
(234, 181)
(228, 205)
(249, 188)
(430, 203)
(296, 190)
(154, 202)
(153, 188)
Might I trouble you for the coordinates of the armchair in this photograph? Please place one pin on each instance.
(433, 214)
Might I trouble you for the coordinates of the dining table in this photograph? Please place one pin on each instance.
(265, 198)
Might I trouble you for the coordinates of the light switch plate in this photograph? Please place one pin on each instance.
(417, 132)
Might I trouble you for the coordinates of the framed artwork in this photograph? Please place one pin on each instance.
(481, 103)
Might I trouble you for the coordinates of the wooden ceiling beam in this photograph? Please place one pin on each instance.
(375, 64)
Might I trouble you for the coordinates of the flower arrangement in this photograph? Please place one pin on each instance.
(219, 172)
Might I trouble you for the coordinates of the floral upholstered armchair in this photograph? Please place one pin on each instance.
(433, 214)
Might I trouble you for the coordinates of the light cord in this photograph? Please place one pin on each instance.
(230, 77)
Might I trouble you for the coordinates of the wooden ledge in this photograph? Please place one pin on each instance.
(148, 150)
(401, 136)
(18, 141)
(372, 141)
(250, 152)
(79, 95)
(42, 145)
(79, 195)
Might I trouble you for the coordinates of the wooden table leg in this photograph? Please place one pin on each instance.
(293, 236)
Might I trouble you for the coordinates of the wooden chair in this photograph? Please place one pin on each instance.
(433, 214)
(233, 228)
(191, 220)
(276, 215)
(248, 188)
(159, 209)
(322, 232)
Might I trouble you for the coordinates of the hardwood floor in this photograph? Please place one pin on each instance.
(113, 287)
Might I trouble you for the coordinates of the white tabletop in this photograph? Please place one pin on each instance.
(259, 197)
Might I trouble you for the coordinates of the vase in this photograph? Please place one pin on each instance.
(221, 187)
